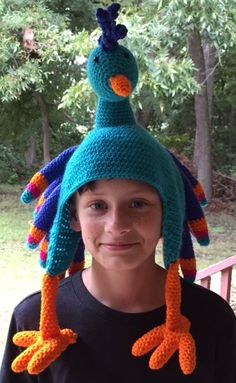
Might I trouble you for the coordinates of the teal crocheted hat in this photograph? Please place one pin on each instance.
(117, 147)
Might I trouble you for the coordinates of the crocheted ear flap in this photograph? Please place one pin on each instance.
(45, 345)
(196, 186)
(187, 258)
(175, 335)
(194, 221)
(45, 211)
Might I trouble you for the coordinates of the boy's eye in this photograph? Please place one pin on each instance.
(98, 205)
(138, 204)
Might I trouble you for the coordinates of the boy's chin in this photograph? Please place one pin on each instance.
(121, 263)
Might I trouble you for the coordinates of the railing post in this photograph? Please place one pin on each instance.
(225, 285)
(206, 282)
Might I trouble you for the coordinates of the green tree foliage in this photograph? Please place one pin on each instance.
(224, 115)
(44, 70)
(65, 32)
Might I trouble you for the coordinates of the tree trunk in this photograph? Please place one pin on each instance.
(202, 144)
(210, 59)
(45, 126)
(30, 153)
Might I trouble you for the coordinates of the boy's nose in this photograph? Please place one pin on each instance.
(118, 222)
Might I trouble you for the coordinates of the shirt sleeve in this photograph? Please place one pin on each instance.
(10, 353)
(226, 348)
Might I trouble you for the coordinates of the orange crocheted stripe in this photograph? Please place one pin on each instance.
(199, 228)
(35, 235)
(43, 251)
(40, 181)
(199, 193)
(188, 264)
(198, 225)
(188, 267)
(37, 185)
(44, 246)
(40, 203)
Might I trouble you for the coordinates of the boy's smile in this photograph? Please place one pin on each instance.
(120, 221)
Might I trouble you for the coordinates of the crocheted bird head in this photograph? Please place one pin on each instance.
(114, 74)
(112, 69)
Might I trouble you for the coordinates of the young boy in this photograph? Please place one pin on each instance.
(124, 318)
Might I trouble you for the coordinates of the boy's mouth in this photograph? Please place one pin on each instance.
(119, 246)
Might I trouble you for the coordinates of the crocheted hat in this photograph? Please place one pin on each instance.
(116, 148)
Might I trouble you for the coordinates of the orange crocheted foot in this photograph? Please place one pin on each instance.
(168, 341)
(40, 353)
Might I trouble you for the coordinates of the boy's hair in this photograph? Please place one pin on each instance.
(80, 191)
(88, 186)
(116, 148)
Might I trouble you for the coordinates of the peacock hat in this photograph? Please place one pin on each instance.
(117, 147)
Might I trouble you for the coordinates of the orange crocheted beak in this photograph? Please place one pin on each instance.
(120, 85)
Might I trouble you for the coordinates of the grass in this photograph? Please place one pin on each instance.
(21, 275)
(222, 230)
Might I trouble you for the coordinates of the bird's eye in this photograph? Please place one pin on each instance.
(126, 55)
(96, 59)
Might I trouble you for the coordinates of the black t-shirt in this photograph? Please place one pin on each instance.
(102, 353)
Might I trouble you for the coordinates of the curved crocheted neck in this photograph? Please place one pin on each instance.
(114, 113)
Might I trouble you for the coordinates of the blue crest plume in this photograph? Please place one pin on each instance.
(111, 32)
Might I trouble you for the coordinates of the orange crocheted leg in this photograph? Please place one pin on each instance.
(173, 335)
(45, 345)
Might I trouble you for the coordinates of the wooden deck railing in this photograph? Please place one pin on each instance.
(225, 268)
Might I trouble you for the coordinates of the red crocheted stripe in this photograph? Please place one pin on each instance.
(35, 235)
(75, 266)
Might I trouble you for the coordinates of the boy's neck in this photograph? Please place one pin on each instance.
(129, 291)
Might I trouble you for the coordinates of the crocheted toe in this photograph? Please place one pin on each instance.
(41, 352)
(173, 340)
(25, 338)
(20, 363)
(163, 353)
(187, 354)
(148, 341)
(167, 341)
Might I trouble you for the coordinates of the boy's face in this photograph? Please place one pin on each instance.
(120, 221)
